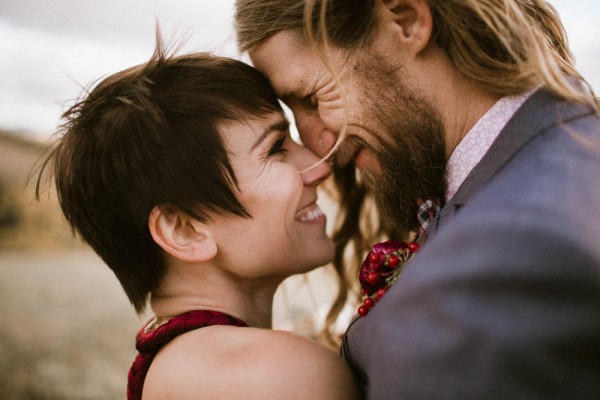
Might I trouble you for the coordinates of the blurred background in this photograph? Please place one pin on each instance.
(68, 330)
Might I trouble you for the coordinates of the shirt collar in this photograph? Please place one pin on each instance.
(479, 139)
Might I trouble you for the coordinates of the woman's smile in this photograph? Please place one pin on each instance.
(311, 213)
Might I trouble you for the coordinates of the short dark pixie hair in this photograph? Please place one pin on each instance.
(148, 136)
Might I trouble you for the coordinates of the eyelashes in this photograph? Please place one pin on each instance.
(277, 147)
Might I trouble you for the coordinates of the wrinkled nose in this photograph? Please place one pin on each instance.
(320, 141)
(313, 132)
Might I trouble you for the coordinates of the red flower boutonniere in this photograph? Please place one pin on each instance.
(381, 269)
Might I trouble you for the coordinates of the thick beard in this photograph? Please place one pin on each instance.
(409, 146)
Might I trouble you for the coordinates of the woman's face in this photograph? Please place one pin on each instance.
(286, 232)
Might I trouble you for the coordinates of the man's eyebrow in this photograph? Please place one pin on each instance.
(279, 126)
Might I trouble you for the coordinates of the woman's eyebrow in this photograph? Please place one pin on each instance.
(279, 126)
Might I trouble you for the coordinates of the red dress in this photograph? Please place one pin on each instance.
(149, 343)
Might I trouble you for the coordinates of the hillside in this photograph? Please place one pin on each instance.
(24, 222)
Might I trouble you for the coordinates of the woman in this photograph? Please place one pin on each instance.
(181, 174)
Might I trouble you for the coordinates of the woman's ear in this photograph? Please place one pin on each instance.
(180, 235)
(410, 20)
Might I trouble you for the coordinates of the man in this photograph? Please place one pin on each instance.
(475, 107)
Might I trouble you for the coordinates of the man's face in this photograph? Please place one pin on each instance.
(394, 135)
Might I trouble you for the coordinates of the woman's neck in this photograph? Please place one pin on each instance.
(252, 302)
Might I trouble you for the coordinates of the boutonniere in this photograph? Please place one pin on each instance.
(381, 269)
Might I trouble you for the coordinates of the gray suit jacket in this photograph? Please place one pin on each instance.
(503, 302)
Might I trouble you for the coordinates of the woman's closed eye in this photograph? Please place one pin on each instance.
(278, 147)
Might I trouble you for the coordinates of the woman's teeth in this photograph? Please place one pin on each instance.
(308, 214)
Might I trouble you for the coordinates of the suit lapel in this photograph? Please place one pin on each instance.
(541, 111)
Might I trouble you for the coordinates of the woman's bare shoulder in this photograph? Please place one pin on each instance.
(230, 362)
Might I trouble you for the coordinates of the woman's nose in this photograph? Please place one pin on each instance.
(316, 169)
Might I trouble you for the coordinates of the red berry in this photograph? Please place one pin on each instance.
(373, 278)
(393, 261)
(413, 247)
(380, 293)
(362, 311)
(369, 302)
(375, 258)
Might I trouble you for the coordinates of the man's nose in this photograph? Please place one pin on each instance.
(318, 141)
(314, 134)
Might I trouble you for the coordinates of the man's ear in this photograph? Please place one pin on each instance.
(411, 21)
(180, 235)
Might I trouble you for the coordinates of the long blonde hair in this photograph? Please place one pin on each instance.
(509, 46)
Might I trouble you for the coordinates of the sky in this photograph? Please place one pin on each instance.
(50, 50)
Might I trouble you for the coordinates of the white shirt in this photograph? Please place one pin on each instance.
(479, 139)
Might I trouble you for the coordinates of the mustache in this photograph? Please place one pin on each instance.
(351, 145)
(347, 150)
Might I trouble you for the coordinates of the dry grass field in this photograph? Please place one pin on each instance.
(25, 223)
(67, 330)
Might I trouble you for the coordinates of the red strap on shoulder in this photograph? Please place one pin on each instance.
(149, 343)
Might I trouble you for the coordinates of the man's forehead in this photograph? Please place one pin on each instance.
(286, 60)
